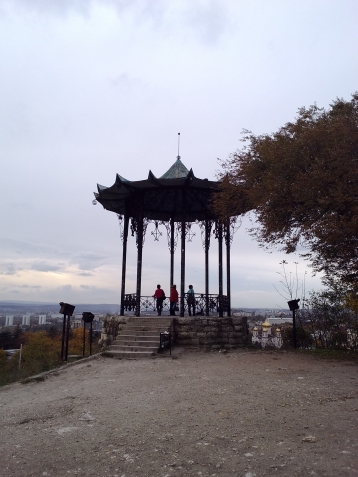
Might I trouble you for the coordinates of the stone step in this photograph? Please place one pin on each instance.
(146, 326)
(139, 337)
(135, 348)
(138, 342)
(149, 322)
(163, 321)
(136, 332)
(129, 354)
(136, 339)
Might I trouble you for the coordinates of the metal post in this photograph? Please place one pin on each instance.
(294, 328)
(220, 239)
(228, 282)
(293, 305)
(124, 262)
(182, 261)
(206, 249)
(63, 338)
(84, 339)
(67, 335)
(91, 338)
(21, 356)
(139, 264)
(171, 252)
(182, 268)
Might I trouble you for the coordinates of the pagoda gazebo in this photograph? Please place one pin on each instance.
(176, 200)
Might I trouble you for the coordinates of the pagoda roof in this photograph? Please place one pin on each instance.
(176, 171)
(177, 195)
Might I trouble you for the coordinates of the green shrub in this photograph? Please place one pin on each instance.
(303, 337)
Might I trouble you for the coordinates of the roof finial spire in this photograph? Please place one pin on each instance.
(178, 157)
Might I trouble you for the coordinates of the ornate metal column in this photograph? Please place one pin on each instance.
(172, 236)
(205, 229)
(219, 236)
(208, 225)
(182, 257)
(124, 237)
(182, 266)
(139, 226)
(228, 239)
(172, 250)
(139, 263)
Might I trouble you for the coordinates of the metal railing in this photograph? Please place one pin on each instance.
(148, 304)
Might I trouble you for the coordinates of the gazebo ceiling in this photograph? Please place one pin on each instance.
(177, 195)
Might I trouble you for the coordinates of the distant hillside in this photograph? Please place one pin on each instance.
(19, 307)
(12, 307)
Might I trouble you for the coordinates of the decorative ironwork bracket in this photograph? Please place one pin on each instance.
(167, 225)
(218, 224)
(234, 225)
(121, 226)
(134, 228)
(202, 225)
(156, 232)
(189, 234)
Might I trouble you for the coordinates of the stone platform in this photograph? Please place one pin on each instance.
(138, 337)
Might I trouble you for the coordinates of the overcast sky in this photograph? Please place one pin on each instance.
(93, 88)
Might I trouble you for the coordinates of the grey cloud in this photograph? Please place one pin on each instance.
(30, 286)
(89, 256)
(62, 8)
(53, 7)
(88, 260)
(125, 82)
(85, 274)
(209, 20)
(93, 289)
(17, 205)
(65, 288)
(10, 269)
(24, 247)
(42, 266)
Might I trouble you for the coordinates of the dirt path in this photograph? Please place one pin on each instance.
(204, 414)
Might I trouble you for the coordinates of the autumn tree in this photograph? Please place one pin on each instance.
(76, 342)
(302, 184)
(40, 351)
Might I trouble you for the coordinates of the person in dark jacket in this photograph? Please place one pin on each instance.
(174, 298)
(190, 298)
(160, 297)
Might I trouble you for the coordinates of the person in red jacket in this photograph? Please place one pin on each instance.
(174, 298)
(160, 296)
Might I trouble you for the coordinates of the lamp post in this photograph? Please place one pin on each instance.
(293, 305)
(66, 310)
(87, 317)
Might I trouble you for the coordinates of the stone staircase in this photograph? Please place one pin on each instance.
(139, 337)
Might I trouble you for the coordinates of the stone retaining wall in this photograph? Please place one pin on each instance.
(211, 332)
(202, 331)
(107, 335)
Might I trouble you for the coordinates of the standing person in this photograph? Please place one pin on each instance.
(190, 298)
(160, 296)
(174, 298)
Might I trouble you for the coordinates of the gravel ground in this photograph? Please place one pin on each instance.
(243, 413)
